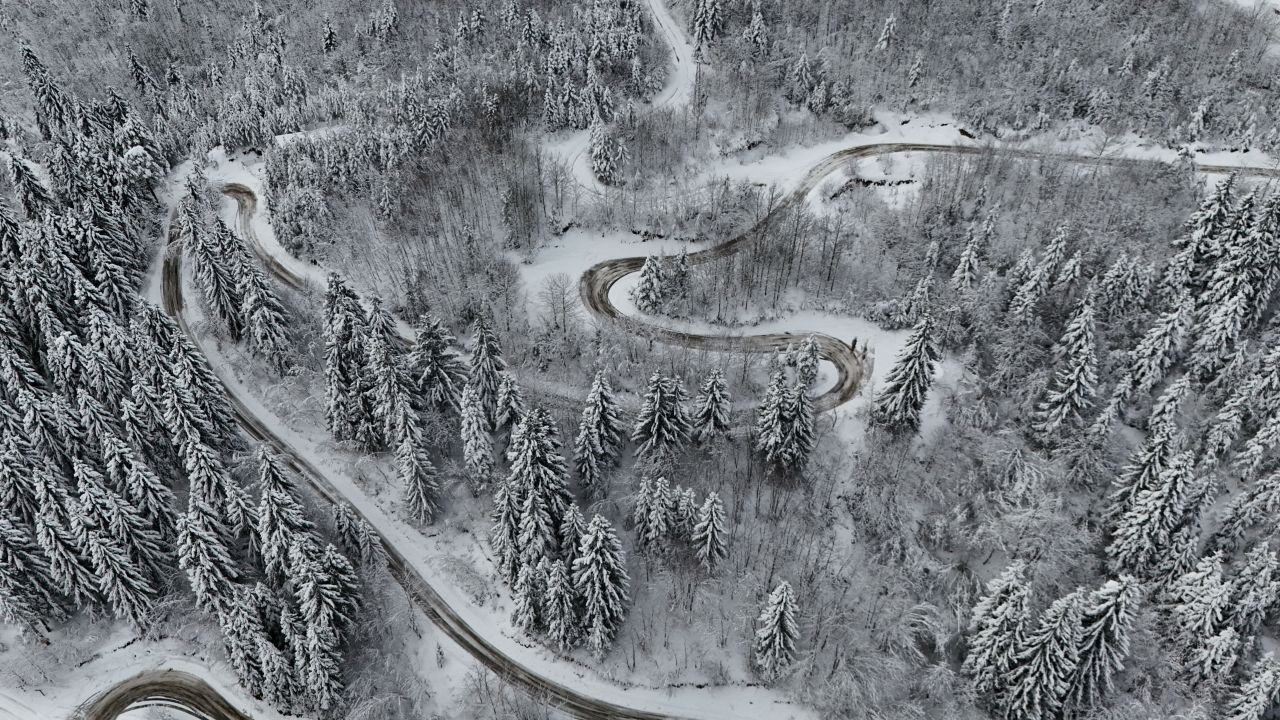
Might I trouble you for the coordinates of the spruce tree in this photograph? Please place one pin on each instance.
(1258, 694)
(898, 404)
(997, 628)
(344, 354)
(599, 440)
(1046, 661)
(601, 582)
(528, 593)
(438, 371)
(505, 534)
(1106, 620)
(662, 426)
(509, 406)
(477, 446)
(29, 594)
(281, 518)
(711, 418)
(203, 553)
(1198, 602)
(68, 565)
(264, 317)
(1144, 529)
(1255, 590)
(706, 22)
(1258, 503)
(418, 478)
(486, 361)
(709, 533)
(1214, 661)
(1071, 392)
(560, 607)
(121, 583)
(652, 515)
(776, 633)
(648, 293)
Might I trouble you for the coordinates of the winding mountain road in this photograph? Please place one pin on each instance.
(169, 688)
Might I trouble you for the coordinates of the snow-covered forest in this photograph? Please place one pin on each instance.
(640, 358)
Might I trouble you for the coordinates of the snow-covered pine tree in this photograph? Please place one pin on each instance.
(505, 534)
(509, 405)
(528, 594)
(560, 607)
(344, 356)
(572, 528)
(439, 372)
(648, 293)
(709, 533)
(486, 361)
(477, 445)
(121, 582)
(28, 593)
(537, 478)
(1213, 662)
(281, 519)
(777, 631)
(1258, 694)
(1258, 503)
(241, 631)
(1200, 246)
(600, 579)
(599, 439)
(807, 362)
(602, 147)
(33, 197)
(662, 427)
(714, 406)
(652, 515)
(1037, 683)
(1071, 392)
(706, 22)
(264, 317)
(997, 628)
(966, 272)
(215, 276)
(418, 478)
(898, 404)
(202, 552)
(392, 392)
(1254, 590)
(1198, 602)
(1106, 620)
(68, 566)
(1154, 513)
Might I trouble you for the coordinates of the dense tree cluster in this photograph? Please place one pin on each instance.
(92, 519)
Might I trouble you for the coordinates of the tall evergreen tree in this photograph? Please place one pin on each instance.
(560, 607)
(486, 361)
(264, 317)
(1154, 514)
(418, 478)
(282, 521)
(648, 293)
(997, 629)
(477, 446)
(439, 373)
(599, 440)
(898, 404)
(509, 406)
(711, 417)
(662, 426)
(1258, 694)
(1046, 661)
(1071, 392)
(709, 533)
(202, 552)
(601, 581)
(777, 633)
(1106, 620)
